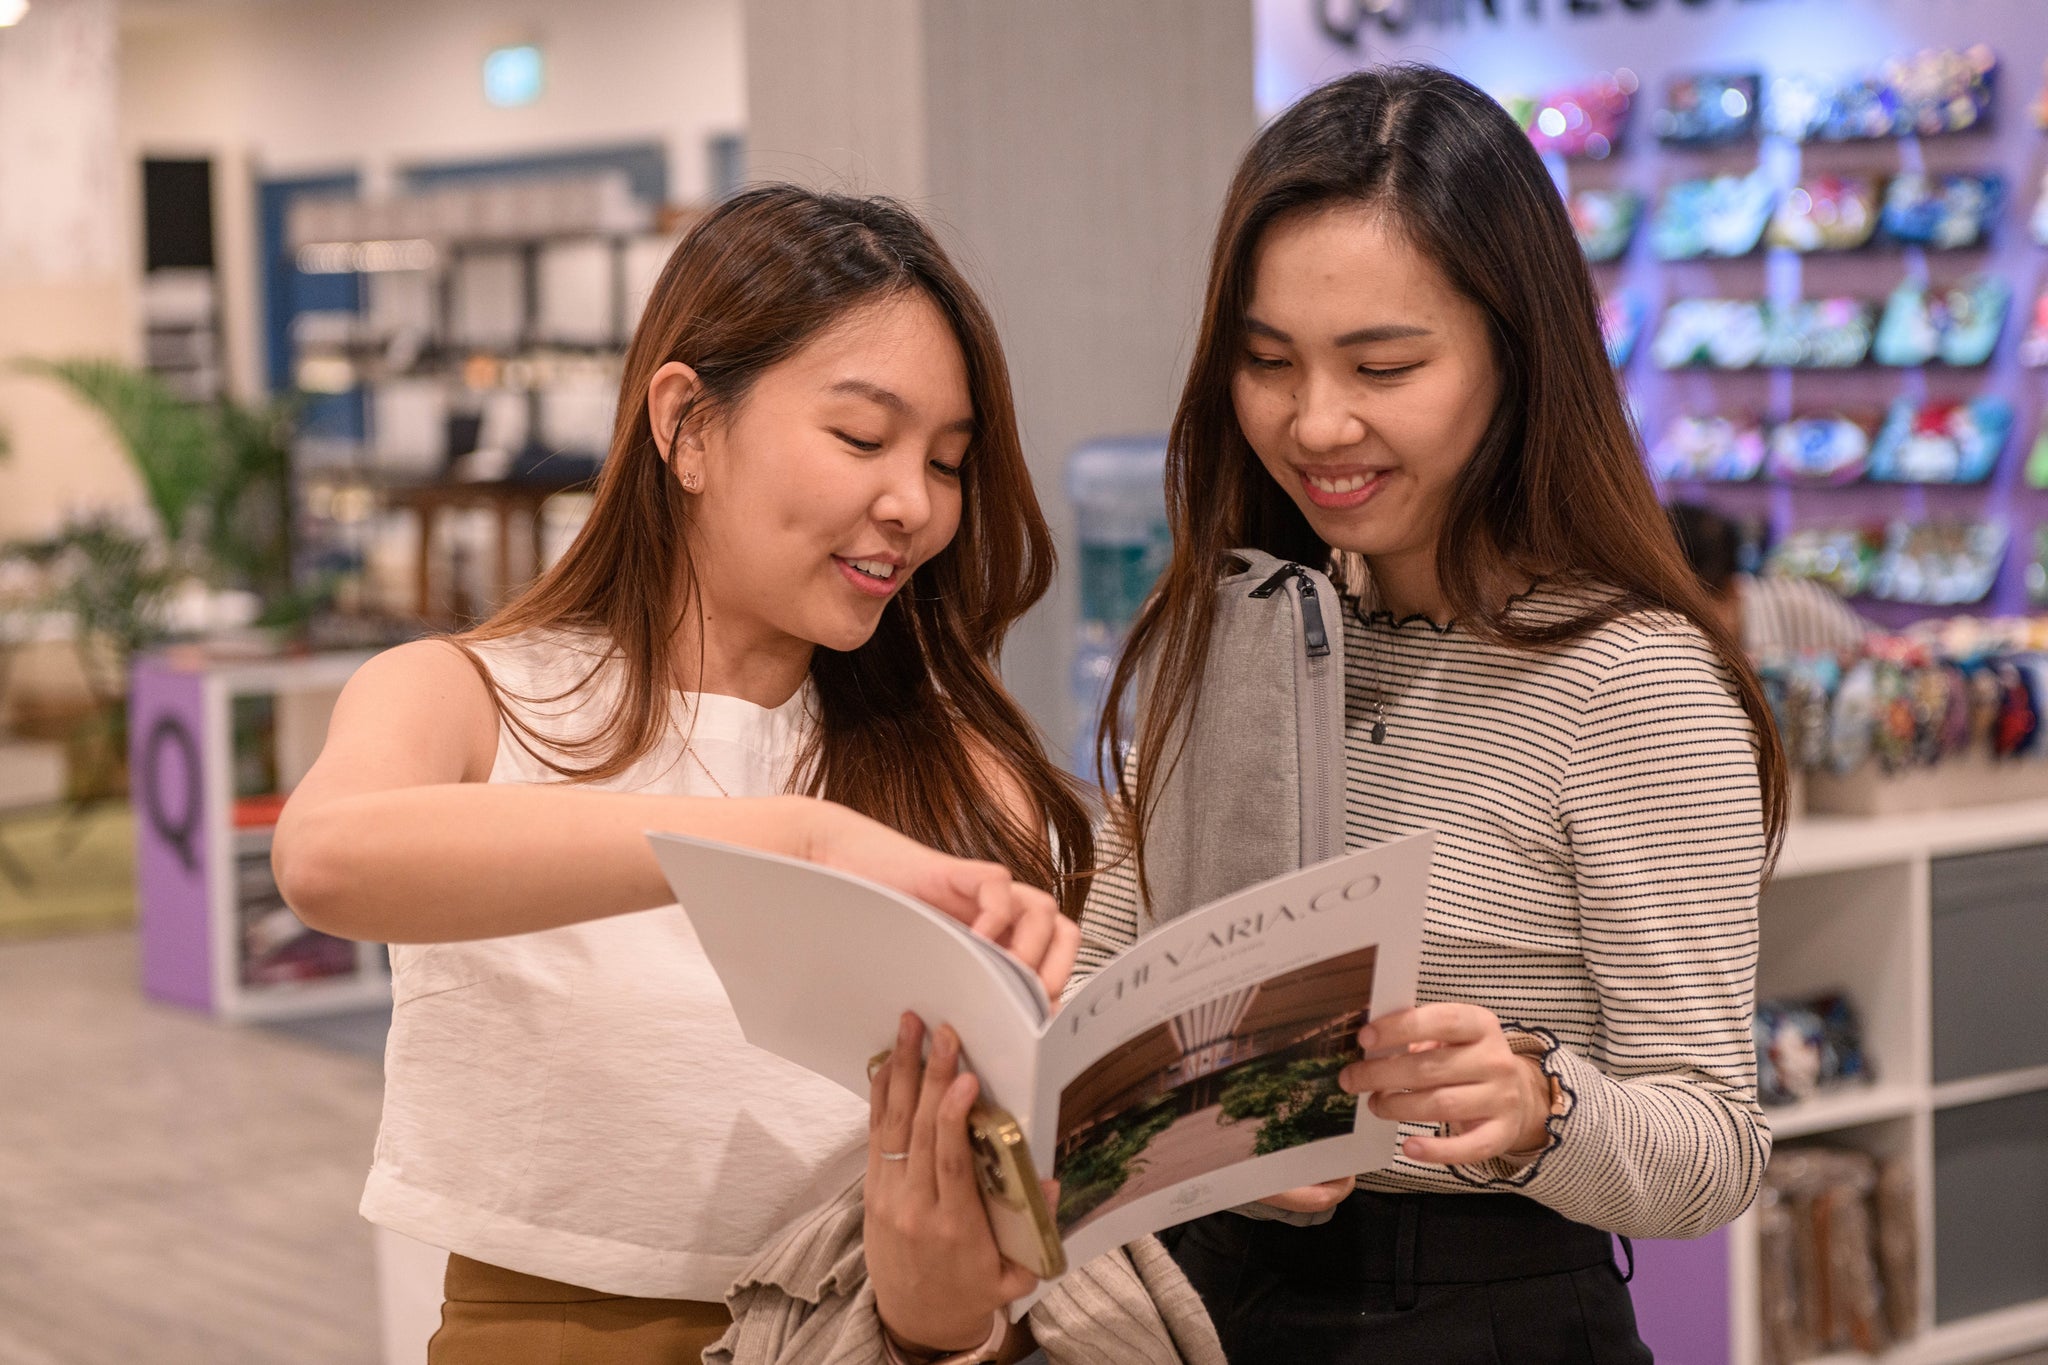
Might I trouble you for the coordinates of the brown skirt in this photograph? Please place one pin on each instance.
(501, 1317)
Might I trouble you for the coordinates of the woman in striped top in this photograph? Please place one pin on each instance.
(1400, 373)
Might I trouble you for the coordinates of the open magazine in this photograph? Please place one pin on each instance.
(1196, 1071)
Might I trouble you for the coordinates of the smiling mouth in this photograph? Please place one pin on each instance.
(1339, 492)
(874, 577)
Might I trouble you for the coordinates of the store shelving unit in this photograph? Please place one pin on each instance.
(1936, 926)
(214, 745)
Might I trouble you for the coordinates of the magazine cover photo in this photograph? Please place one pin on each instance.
(1244, 1074)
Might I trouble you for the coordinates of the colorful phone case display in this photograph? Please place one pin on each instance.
(1709, 450)
(1840, 557)
(2034, 345)
(1958, 326)
(1723, 217)
(1585, 120)
(1739, 334)
(1949, 213)
(2037, 224)
(1838, 1267)
(1807, 1047)
(2037, 569)
(1941, 442)
(1924, 95)
(1710, 109)
(1939, 563)
(1605, 222)
(1946, 689)
(1827, 450)
(1817, 334)
(2037, 459)
(1622, 316)
(1830, 213)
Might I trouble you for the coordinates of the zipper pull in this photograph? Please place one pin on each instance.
(1313, 633)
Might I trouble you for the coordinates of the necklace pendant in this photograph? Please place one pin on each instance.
(1379, 732)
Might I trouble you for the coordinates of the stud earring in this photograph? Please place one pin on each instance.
(693, 482)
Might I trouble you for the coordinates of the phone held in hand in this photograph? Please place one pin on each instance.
(1023, 1224)
(1022, 1221)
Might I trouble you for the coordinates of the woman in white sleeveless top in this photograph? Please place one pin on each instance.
(779, 628)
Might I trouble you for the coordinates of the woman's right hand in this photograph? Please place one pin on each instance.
(939, 1278)
(984, 896)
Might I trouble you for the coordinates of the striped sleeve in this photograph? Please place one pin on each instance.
(1797, 616)
(1660, 1134)
(1109, 917)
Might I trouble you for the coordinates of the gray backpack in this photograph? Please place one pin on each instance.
(1258, 786)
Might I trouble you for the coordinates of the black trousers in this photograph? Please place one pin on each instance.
(1420, 1279)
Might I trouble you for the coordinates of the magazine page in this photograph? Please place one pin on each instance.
(1198, 1069)
(819, 965)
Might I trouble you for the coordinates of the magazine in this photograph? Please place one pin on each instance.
(1194, 1072)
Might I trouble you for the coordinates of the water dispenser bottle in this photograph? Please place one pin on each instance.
(1119, 493)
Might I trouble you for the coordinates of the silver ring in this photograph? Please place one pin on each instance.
(895, 1156)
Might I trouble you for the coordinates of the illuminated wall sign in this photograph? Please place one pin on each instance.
(513, 75)
(1346, 20)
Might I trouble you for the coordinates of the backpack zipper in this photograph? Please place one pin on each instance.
(1313, 635)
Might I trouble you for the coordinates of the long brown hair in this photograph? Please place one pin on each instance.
(1556, 488)
(912, 721)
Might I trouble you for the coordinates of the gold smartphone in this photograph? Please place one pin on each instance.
(1017, 1212)
(1023, 1223)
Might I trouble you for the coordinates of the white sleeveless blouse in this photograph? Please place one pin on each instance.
(578, 1103)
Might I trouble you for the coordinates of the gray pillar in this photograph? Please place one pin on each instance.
(1074, 154)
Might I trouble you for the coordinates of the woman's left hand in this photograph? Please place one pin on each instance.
(932, 1258)
(1455, 1070)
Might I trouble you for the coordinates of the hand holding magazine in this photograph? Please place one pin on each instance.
(1194, 1072)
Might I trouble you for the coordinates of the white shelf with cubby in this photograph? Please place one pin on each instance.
(1883, 910)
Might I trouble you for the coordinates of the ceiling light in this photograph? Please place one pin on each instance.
(12, 11)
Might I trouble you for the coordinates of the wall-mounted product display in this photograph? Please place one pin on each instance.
(1957, 326)
(1605, 221)
(1948, 213)
(2034, 345)
(1924, 95)
(1830, 450)
(1741, 334)
(1829, 213)
(1941, 442)
(1723, 217)
(1708, 449)
(1709, 109)
(1585, 120)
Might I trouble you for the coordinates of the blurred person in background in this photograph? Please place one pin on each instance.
(1773, 616)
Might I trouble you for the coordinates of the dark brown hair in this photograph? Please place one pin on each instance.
(914, 722)
(1556, 488)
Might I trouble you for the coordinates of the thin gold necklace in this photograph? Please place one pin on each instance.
(691, 750)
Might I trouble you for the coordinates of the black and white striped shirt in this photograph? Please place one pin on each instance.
(1782, 616)
(1599, 853)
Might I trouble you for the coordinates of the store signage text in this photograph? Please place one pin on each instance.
(1345, 21)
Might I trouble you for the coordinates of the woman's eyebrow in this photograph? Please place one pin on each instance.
(890, 399)
(1385, 332)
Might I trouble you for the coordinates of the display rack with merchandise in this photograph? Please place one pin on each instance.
(492, 328)
(216, 744)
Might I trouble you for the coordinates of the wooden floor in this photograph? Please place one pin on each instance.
(173, 1192)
